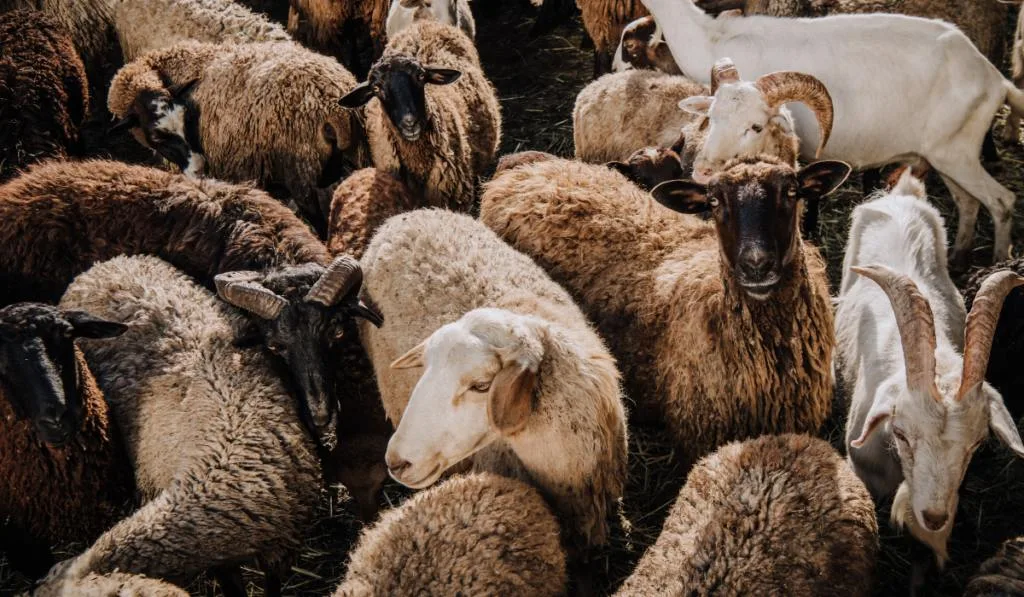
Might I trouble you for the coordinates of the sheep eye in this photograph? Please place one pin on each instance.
(339, 333)
(481, 386)
(713, 201)
(756, 128)
(791, 193)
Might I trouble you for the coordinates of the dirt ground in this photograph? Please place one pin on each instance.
(537, 82)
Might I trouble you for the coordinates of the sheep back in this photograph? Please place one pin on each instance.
(44, 93)
(361, 203)
(479, 534)
(119, 584)
(779, 514)
(89, 23)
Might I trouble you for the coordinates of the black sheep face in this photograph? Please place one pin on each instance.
(38, 369)
(169, 123)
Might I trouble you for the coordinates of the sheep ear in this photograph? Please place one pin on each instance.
(511, 399)
(89, 326)
(620, 167)
(697, 104)
(1003, 426)
(359, 96)
(411, 359)
(130, 121)
(442, 76)
(821, 178)
(684, 196)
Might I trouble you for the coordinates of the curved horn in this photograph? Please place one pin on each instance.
(243, 290)
(724, 71)
(981, 327)
(789, 86)
(915, 322)
(343, 275)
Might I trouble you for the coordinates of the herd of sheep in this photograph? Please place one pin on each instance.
(322, 272)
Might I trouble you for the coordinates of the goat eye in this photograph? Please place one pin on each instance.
(756, 128)
(481, 386)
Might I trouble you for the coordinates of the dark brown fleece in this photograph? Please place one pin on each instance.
(44, 94)
(60, 218)
(1002, 574)
(71, 493)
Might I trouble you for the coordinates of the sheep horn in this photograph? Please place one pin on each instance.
(981, 327)
(243, 290)
(915, 322)
(724, 71)
(789, 86)
(338, 280)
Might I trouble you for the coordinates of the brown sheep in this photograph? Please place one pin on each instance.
(514, 160)
(778, 515)
(335, 27)
(361, 203)
(1001, 575)
(726, 333)
(90, 24)
(44, 93)
(118, 584)
(604, 21)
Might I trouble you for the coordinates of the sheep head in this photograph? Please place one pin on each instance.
(478, 384)
(399, 82)
(643, 47)
(39, 368)
(650, 166)
(168, 121)
(939, 420)
(749, 118)
(300, 312)
(756, 208)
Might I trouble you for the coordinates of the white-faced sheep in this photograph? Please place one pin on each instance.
(404, 13)
(44, 93)
(294, 135)
(916, 414)
(220, 454)
(534, 393)
(437, 123)
(778, 515)
(724, 328)
(118, 584)
(1002, 575)
(66, 475)
(478, 534)
(147, 25)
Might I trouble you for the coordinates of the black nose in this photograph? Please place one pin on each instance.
(756, 263)
(934, 520)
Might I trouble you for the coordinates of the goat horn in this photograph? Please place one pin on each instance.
(724, 71)
(243, 290)
(981, 327)
(338, 280)
(915, 322)
(789, 86)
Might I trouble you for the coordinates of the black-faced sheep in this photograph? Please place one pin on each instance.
(44, 93)
(533, 379)
(478, 534)
(1002, 575)
(651, 166)
(437, 123)
(293, 134)
(220, 454)
(778, 515)
(66, 475)
(724, 327)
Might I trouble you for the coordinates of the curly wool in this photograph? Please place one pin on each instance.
(604, 20)
(60, 218)
(227, 468)
(44, 92)
(716, 366)
(361, 203)
(771, 516)
(320, 23)
(90, 23)
(1002, 574)
(479, 534)
(118, 584)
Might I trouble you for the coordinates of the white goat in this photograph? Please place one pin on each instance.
(403, 13)
(888, 76)
(935, 404)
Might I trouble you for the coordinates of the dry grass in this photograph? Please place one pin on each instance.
(537, 82)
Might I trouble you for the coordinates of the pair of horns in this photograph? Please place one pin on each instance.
(783, 87)
(917, 326)
(245, 290)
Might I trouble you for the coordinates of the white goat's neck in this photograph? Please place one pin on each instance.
(690, 23)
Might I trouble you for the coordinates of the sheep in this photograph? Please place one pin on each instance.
(66, 475)
(361, 203)
(44, 92)
(478, 534)
(220, 455)
(651, 166)
(887, 76)
(725, 327)
(917, 415)
(604, 21)
(777, 515)
(617, 114)
(118, 584)
(335, 27)
(147, 25)
(521, 158)
(541, 380)
(90, 24)
(1002, 574)
(60, 218)
(305, 140)
(643, 46)
(437, 124)
(452, 12)
(1011, 131)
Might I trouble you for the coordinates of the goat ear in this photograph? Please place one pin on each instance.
(697, 104)
(511, 400)
(411, 359)
(130, 121)
(359, 96)
(89, 326)
(620, 167)
(182, 89)
(684, 196)
(880, 411)
(442, 76)
(821, 178)
(1003, 425)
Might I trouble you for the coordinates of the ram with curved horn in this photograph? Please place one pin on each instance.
(920, 405)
